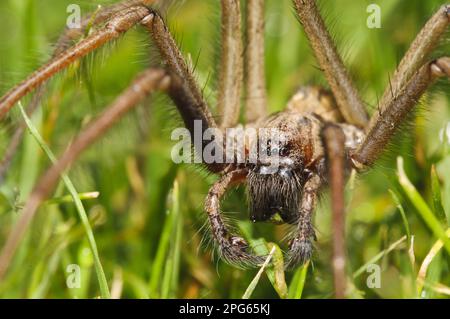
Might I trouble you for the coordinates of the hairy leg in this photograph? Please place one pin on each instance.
(232, 249)
(412, 77)
(417, 54)
(192, 108)
(119, 24)
(64, 42)
(386, 122)
(256, 95)
(103, 14)
(300, 247)
(187, 96)
(231, 67)
(148, 82)
(347, 98)
(334, 141)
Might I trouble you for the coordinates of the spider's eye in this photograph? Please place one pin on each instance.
(269, 147)
(284, 151)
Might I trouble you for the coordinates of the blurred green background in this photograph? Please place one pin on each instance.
(149, 234)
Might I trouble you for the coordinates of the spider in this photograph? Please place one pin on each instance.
(325, 133)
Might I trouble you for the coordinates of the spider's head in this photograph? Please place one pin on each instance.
(275, 183)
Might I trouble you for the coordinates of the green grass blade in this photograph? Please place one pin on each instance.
(436, 193)
(434, 251)
(69, 198)
(249, 291)
(172, 265)
(377, 257)
(275, 271)
(421, 206)
(103, 284)
(161, 253)
(298, 282)
(402, 213)
(276, 276)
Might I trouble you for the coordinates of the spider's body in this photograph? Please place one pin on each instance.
(322, 135)
(276, 194)
(301, 154)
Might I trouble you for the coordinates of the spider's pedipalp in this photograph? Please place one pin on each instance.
(300, 252)
(300, 246)
(233, 249)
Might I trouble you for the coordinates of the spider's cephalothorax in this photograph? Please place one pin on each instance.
(321, 135)
(278, 191)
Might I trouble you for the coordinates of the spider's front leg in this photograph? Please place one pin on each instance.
(115, 27)
(385, 123)
(232, 248)
(411, 79)
(65, 41)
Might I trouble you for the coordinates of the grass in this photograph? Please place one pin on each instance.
(103, 284)
(147, 215)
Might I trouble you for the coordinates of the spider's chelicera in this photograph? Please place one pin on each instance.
(322, 134)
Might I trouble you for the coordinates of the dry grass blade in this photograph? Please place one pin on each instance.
(427, 261)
